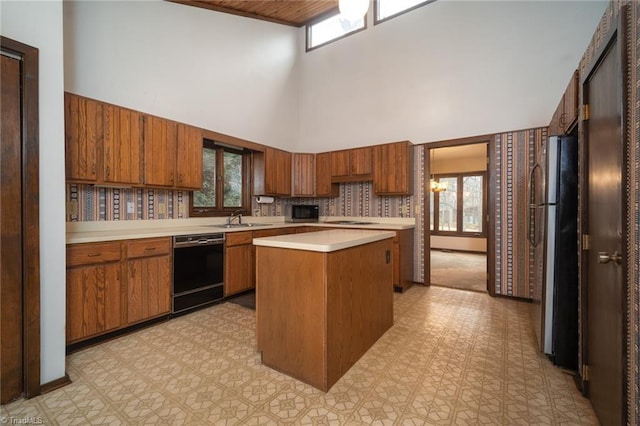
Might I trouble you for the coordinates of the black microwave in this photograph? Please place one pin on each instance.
(301, 213)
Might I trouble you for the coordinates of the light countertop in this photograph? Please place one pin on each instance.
(88, 232)
(324, 241)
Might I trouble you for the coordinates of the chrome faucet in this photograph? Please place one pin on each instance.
(232, 217)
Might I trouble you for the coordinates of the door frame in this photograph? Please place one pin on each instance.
(618, 32)
(490, 194)
(30, 212)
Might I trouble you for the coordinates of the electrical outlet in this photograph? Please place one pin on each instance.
(417, 209)
(130, 207)
(256, 212)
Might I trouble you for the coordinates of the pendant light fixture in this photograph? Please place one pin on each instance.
(353, 10)
(435, 185)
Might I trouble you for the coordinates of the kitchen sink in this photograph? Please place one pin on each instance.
(241, 225)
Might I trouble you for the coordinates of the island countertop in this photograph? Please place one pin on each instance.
(324, 241)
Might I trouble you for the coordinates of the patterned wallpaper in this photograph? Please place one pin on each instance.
(91, 203)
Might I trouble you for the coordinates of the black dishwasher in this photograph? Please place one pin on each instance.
(198, 270)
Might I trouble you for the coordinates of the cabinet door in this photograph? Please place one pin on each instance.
(340, 164)
(361, 161)
(238, 269)
(393, 171)
(304, 172)
(83, 135)
(277, 172)
(189, 157)
(93, 300)
(122, 145)
(149, 288)
(159, 151)
(324, 187)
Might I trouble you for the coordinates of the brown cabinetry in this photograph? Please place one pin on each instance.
(172, 154)
(113, 284)
(304, 175)
(108, 144)
(272, 172)
(83, 124)
(189, 157)
(160, 144)
(324, 186)
(148, 278)
(238, 262)
(393, 169)
(566, 114)
(94, 290)
(102, 141)
(352, 165)
(122, 145)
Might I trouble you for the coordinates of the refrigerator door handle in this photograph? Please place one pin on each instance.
(531, 234)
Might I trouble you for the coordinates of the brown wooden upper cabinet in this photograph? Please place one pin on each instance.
(103, 142)
(189, 157)
(304, 175)
(324, 186)
(272, 172)
(108, 144)
(352, 165)
(566, 114)
(393, 169)
(172, 154)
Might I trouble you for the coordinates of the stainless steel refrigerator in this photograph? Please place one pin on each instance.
(553, 233)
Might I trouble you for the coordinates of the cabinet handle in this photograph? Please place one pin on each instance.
(171, 178)
(149, 248)
(133, 272)
(93, 168)
(108, 171)
(94, 254)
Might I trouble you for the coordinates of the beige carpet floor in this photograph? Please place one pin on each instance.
(466, 271)
(451, 357)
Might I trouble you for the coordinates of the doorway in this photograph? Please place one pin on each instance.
(603, 206)
(19, 223)
(458, 237)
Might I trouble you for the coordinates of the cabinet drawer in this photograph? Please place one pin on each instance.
(92, 253)
(238, 238)
(148, 247)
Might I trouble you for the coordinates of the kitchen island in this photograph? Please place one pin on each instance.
(322, 300)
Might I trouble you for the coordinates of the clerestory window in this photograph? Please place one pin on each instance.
(386, 9)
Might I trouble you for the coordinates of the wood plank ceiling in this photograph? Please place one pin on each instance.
(288, 12)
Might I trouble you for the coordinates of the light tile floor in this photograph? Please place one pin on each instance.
(452, 357)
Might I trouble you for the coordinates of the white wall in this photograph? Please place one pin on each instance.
(221, 72)
(39, 24)
(449, 69)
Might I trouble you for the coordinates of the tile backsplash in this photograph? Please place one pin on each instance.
(92, 203)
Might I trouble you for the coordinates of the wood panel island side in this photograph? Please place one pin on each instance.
(322, 300)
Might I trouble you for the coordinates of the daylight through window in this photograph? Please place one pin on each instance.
(330, 29)
(461, 208)
(224, 177)
(389, 8)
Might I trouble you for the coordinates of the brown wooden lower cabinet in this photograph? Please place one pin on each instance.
(94, 300)
(402, 255)
(321, 328)
(238, 262)
(114, 284)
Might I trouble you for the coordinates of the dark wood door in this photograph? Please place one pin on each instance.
(604, 226)
(11, 354)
